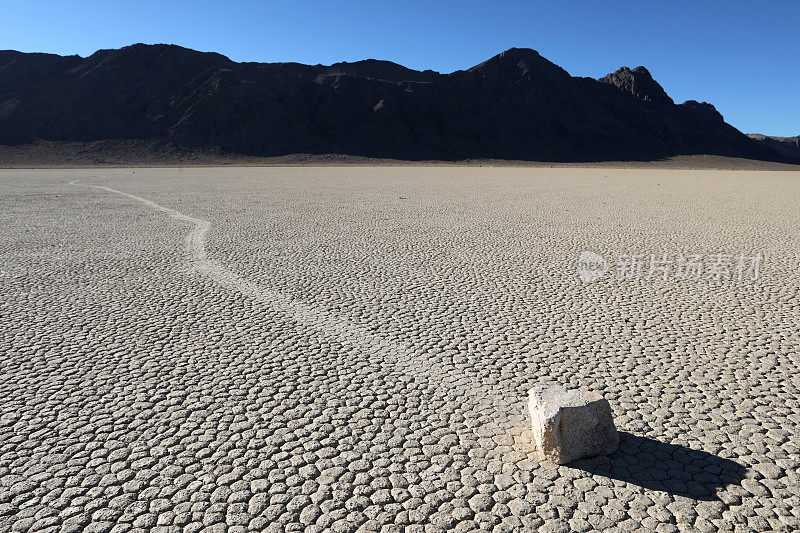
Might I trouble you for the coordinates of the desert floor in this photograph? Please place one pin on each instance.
(343, 348)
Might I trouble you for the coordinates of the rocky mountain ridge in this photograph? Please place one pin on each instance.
(786, 146)
(516, 105)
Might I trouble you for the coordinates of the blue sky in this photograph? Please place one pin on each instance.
(741, 56)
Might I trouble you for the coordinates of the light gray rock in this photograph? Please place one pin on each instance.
(571, 424)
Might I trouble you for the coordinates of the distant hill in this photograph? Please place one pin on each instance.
(516, 105)
(786, 146)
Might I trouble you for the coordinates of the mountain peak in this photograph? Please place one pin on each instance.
(516, 62)
(381, 70)
(161, 52)
(519, 53)
(704, 108)
(639, 83)
(513, 57)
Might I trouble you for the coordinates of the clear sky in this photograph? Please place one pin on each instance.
(742, 56)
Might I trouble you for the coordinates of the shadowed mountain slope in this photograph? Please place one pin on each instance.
(516, 105)
(786, 146)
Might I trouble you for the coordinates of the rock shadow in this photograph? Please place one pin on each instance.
(671, 468)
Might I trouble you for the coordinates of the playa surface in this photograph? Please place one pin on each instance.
(349, 348)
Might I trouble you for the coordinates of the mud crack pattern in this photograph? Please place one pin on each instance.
(349, 349)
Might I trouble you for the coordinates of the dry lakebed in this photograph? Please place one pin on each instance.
(351, 348)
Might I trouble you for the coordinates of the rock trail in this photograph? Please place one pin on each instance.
(473, 396)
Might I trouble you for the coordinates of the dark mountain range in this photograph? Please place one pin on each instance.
(786, 146)
(516, 105)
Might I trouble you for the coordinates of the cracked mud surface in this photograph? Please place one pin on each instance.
(350, 348)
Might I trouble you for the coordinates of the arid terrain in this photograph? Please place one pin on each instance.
(351, 348)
